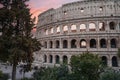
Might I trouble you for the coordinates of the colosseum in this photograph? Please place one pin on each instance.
(77, 27)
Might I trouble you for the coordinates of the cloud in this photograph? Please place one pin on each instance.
(38, 6)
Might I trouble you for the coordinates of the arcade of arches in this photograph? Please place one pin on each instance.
(101, 26)
(83, 43)
(57, 59)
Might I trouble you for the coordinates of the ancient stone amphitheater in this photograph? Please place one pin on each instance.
(77, 27)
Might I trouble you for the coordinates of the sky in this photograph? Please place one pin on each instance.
(39, 6)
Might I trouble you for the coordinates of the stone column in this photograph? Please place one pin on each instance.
(61, 29)
(98, 43)
(87, 27)
(61, 44)
(69, 28)
(69, 45)
(78, 43)
(54, 44)
(110, 61)
(53, 59)
(48, 45)
(69, 57)
(61, 59)
(54, 30)
(78, 28)
(47, 58)
(108, 43)
(97, 26)
(107, 26)
(88, 43)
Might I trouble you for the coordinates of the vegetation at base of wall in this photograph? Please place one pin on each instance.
(110, 74)
(27, 79)
(3, 76)
(55, 73)
(86, 66)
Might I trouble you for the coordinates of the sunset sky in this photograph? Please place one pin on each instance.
(38, 6)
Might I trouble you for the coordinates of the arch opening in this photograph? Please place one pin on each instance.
(92, 43)
(82, 27)
(114, 61)
(51, 44)
(51, 59)
(103, 43)
(45, 58)
(73, 43)
(45, 44)
(104, 60)
(65, 59)
(57, 59)
(113, 43)
(57, 44)
(112, 25)
(102, 26)
(73, 28)
(92, 27)
(83, 43)
(65, 44)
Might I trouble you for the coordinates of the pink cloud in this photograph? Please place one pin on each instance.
(38, 6)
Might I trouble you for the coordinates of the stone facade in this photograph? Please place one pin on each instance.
(74, 28)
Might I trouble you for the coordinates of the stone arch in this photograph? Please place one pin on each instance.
(65, 28)
(57, 44)
(102, 26)
(92, 43)
(45, 58)
(73, 43)
(51, 44)
(73, 28)
(46, 31)
(50, 58)
(51, 30)
(65, 59)
(83, 43)
(82, 27)
(103, 43)
(112, 25)
(104, 60)
(65, 44)
(58, 29)
(114, 61)
(57, 59)
(113, 43)
(92, 27)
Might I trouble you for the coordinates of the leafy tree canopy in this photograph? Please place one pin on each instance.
(86, 66)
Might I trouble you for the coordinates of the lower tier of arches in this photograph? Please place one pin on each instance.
(53, 58)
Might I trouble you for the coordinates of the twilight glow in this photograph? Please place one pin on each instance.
(38, 6)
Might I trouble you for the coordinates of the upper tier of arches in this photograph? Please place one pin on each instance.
(80, 9)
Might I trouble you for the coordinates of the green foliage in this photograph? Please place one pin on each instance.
(16, 42)
(56, 73)
(27, 79)
(3, 76)
(86, 66)
(110, 74)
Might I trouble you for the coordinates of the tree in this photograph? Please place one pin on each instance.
(86, 66)
(55, 73)
(110, 74)
(16, 42)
